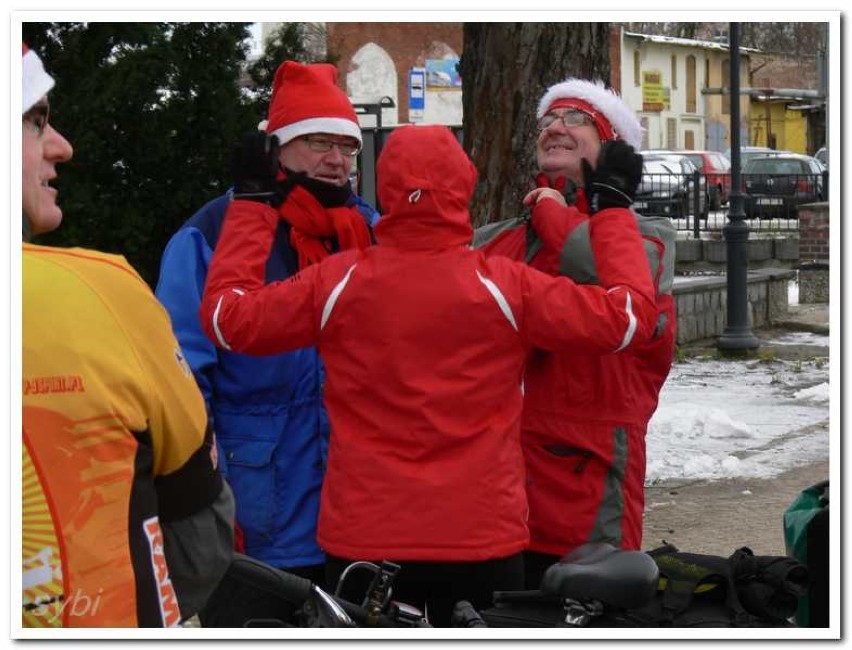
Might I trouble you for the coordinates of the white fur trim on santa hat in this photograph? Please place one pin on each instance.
(36, 81)
(622, 118)
(332, 125)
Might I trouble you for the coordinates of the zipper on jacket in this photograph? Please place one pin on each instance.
(563, 450)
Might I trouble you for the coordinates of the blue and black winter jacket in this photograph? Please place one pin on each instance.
(270, 423)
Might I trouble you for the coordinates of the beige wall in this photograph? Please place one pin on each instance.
(668, 128)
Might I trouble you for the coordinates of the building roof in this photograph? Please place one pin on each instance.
(686, 42)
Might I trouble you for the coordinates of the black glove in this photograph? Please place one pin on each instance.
(613, 182)
(254, 166)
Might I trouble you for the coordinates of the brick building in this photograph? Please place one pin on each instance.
(374, 60)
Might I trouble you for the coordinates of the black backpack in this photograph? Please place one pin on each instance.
(743, 590)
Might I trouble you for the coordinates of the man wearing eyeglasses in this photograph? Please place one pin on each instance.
(585, 418)
(268, 411)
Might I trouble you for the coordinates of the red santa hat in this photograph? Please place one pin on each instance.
(614, 119)
(306, 99)
(36, 81)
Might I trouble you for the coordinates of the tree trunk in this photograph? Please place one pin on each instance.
(506, 68)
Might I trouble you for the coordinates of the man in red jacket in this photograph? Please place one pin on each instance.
(425, 343)
(585, 416)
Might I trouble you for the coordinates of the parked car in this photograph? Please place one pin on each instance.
(822, 156)
(717, 170)
(775, 186)
(747, 153)
(668, 186)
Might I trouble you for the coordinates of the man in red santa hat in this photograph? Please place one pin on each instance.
(585, 417)
(269, 412)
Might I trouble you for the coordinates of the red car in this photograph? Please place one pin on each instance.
(717, 170)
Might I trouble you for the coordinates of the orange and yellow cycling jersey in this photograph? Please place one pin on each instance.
(115, 442)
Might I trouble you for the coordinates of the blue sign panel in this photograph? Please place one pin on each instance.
(416, 89)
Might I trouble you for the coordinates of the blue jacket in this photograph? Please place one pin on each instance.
(268, 414)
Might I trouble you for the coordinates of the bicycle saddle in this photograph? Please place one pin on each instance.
(599, 571)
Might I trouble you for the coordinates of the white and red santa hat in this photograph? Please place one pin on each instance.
(614, 119)
(36, 81)
(306, 99)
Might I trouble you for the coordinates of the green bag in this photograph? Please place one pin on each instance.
(806, 539)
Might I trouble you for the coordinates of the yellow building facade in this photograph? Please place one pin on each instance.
(774, 124)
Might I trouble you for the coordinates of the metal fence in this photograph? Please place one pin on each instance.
(770, 200)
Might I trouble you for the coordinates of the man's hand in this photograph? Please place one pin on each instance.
(540, 193)
(254, 167)
(613, 183)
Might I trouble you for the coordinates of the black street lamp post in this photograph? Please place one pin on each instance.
(737, 336)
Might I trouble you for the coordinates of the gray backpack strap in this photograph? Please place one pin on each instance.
(489, 231)
(577, 261)
(662, 230)
(534, 244)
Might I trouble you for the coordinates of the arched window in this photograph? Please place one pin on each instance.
(371, 76)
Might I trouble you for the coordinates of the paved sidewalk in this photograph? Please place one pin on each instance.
(812, 318)
(717, 517)
(806, 318)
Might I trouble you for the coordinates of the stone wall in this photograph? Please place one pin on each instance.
(712, 254)
(813, 284)
(813, 233)
(814, 230)
(702, 302)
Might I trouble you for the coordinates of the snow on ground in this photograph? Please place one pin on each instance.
(800, 338)
(741, 418)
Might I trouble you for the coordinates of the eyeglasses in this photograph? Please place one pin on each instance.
(321, 144)
(569, 118)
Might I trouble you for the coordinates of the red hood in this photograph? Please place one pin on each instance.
(425, 181)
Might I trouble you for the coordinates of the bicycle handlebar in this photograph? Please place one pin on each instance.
(319, 608)
(399, 615)
(288, 586)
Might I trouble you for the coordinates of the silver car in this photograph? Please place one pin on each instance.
(668, 186)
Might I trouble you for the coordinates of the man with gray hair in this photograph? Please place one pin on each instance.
(585, 417)
(268, 412)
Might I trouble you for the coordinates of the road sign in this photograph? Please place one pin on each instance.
(416, 93)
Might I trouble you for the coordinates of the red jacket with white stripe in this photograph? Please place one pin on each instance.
(425, 343)
(585, 415)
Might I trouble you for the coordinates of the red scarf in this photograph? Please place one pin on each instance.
(561, 182)
(312, 226)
